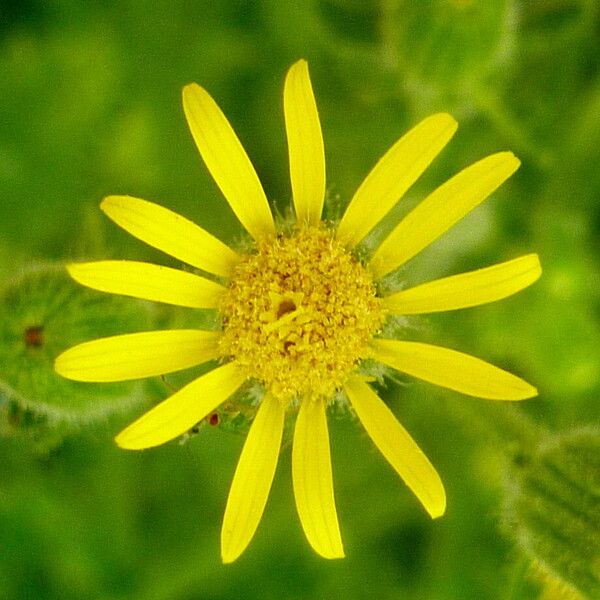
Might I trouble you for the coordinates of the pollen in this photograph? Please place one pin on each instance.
(299, 313)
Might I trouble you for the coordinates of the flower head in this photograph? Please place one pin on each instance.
(300, 312)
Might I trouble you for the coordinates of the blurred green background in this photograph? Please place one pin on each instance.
(90, 106)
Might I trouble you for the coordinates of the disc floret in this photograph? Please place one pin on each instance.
(299, 313)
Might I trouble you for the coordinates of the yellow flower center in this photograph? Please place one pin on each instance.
(299, 313)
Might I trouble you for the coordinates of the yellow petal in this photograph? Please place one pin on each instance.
(452, 369)
(170, 233)
(442, 209)
(137, 355)
(252, 480)
(147, 281)
(396, 445)
(227, 161)
(184, 409)
(313, 480)
(305, 143)
(467, 289)
(393, 175)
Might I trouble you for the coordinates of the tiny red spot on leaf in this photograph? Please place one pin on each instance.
(34, 336)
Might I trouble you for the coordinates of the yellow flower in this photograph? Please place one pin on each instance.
(300, 312)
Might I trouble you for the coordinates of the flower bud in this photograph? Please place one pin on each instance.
(43, 313)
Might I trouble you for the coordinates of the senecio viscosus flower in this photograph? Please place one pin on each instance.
(301, 313)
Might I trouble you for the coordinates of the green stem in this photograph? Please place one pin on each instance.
(504, 423)
(491, 106)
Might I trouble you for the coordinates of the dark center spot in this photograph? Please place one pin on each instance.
(34, 336)
(285, 307)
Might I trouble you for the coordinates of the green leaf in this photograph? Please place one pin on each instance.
(553, 509)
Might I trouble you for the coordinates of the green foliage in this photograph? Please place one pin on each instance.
(553, 509)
